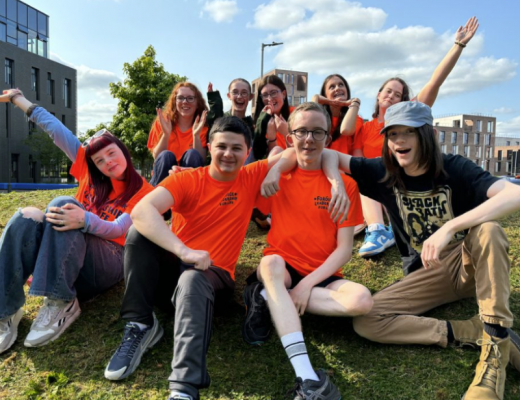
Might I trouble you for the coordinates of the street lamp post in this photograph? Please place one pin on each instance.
(262, 62)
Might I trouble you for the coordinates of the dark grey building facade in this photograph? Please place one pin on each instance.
(24, 52)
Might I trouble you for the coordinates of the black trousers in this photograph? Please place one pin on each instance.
(156, 277)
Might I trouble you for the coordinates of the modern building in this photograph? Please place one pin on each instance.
(472, 136)
(296, 83)
(507, 155)
(24, 53)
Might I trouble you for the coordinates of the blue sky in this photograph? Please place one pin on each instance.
(366, 41)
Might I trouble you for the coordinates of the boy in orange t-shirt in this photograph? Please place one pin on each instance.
(305, 253)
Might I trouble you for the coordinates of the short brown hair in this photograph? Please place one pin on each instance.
(309, 106)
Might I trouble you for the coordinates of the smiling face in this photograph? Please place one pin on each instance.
(185, 109)
(275, 99)
(228, 153)
(308, 150)
(335, 89)
(403, 143)
(391, 94)
(239, 94)
(110, 161)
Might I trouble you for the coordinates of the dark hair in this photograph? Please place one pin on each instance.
(231, 124)
(309, 106)
(240, 80)
(429, 157)
(103, 185)
(273, 80)
(337, 132)
(404, 97)
(170, 108)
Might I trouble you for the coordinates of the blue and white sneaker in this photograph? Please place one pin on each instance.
(377, 239)
(134, 344)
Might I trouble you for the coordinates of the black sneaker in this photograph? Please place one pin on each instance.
(257, 325)
(323, 389)
(134, 344)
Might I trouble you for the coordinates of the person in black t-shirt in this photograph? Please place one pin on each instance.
(443, 209)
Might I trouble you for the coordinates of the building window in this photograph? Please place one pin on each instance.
(456, 123)
(22, 14)
(32, 128)
(301, 83)
(453, 137)
(477, 138)
(32, 42)
(67, 93)
(63, 119)
(287, 78)
(11, 10)
(280, 76)
(455, 149)
(9, 78)
(479, 126)
(289, 100)
(302, 99)
(442, 136)
(478, 151)
(3, 32)
(490, 126)
(465, 137)
(499, 155)
(498, 166)
(487, 165)
(488, 139)
(466, 151)
(483, 164)
(50, 86)
(443, 148)
(508, 143)
(14, 167)
(35, 82)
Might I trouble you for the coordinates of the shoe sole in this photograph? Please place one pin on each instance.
(375, 252)
(16, 321)
(244, 334)
(137, 360)
(67, 323)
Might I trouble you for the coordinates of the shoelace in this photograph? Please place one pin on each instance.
(260, 312)
(47, 314)
(131, 339)
(496, 350)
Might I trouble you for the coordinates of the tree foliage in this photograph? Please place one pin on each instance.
(46, 152)
(146, 84)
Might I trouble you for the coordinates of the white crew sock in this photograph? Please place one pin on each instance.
(294, 346)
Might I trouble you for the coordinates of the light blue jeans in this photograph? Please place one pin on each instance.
(64, 265)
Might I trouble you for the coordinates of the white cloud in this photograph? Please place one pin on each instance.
(503, 110)
(221, 10)
(92, 113)
(339, 36)
(509, 128)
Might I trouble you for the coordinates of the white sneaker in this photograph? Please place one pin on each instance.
(9, 330)
(53, 318)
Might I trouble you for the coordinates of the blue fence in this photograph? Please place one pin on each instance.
(37, 186)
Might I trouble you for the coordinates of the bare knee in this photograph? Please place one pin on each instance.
(33, 213)
(362, 302)
(272, 268)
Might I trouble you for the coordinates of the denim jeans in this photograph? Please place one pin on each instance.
(64, 265)
(166, 159)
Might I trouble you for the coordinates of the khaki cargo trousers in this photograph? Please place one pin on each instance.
(477, 266)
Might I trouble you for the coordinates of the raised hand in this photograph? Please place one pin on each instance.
(271, 130)
(210, 87)
(166, 123)
(199, 123)
(9, 94)
(281, 125)
(464, 34)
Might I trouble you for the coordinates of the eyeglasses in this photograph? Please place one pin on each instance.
(95, 136)
(240, 94)
(271, 94)
(182, 99)
(317, 134)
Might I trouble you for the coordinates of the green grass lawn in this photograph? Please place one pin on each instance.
(72, 367)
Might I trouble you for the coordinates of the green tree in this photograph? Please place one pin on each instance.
(146, 83)
(50, 156)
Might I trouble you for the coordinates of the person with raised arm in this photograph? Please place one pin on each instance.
(74, 250)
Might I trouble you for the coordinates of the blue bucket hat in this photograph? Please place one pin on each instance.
(408, 113)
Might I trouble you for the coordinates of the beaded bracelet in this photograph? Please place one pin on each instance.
(460, 44)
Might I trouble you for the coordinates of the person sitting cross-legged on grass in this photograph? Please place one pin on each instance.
(194, 262)
(443, 209)
(305, 253)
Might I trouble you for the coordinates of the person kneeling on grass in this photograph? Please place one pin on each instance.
(443, 209)
(192, 264)
(75, 249)
(306, 252)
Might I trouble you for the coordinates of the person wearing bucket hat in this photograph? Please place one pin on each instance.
(444, 209)
(368, 143)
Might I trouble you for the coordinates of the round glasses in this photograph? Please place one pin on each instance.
(240, 94)
(271, 94)
(182, 99)
(317, 134)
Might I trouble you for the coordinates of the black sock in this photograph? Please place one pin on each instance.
(451, 338)
(495, 330)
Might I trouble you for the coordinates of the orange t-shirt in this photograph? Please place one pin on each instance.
(302, 231)
(215, 214)
(179, 141)
(345, 144)
(370, 141)
(85, 193)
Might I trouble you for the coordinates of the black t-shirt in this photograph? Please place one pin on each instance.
(416, 215)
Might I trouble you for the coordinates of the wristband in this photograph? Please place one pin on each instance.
(31, 109)
(271, 141)
(460, 44)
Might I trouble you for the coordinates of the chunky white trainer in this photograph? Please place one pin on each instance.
(9, 330)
